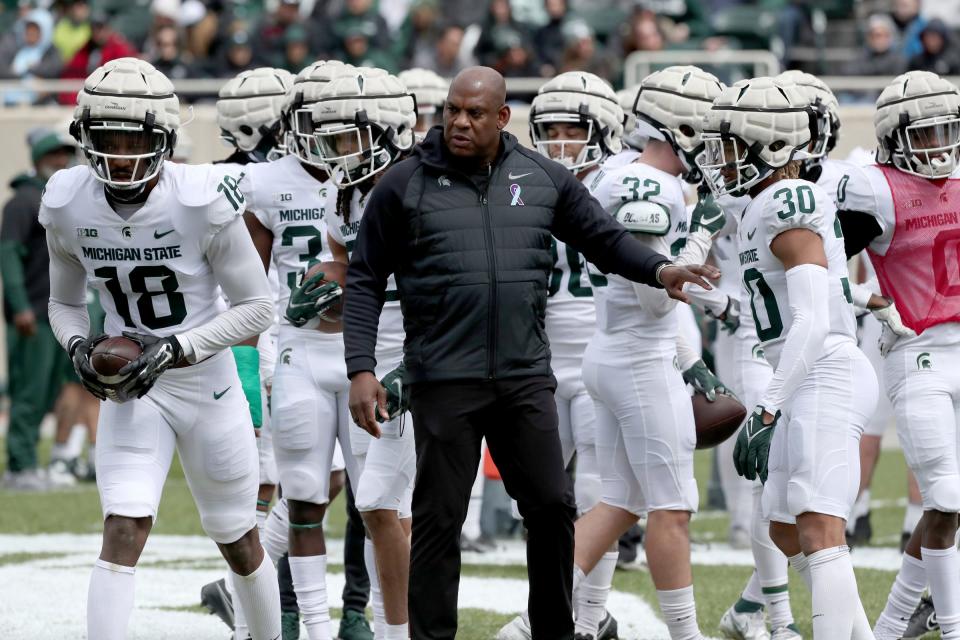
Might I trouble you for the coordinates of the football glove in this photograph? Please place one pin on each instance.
(158, 355)
(707, 215)
(80, 349)
(397, 401)
(705, 381)
(309, 299)
(730, 320)
(752, 450)
(248, 368)
(893, 327)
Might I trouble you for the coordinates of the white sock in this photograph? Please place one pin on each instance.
(943, 566)
(395, 632)
(591, 602)
(903, 599)
(276, 531)
(680, 613)
(801, 565)
(240, 628)
(753, 591)
(59, 451)
(376, 595)
(860, 508)
(109, 600)
(578, 577)
(259, 597)
(771, 566)
(309, 575)
(834, 592)
(78, 435)
(911, 517)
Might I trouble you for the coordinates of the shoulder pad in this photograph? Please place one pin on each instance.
(63, 186)
(643, 216)
(216, 188)
(795, 204)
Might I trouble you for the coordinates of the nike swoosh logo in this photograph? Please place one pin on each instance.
(750, 234)
(519, 175)
(705, 221)
(158, 235)
(217, 396)
(399, 385)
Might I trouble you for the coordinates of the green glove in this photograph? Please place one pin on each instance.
(397, 400)
(705, 381)
(310, 298)
(248, 368)
(730, 321)
(707, 215)
(752, 451)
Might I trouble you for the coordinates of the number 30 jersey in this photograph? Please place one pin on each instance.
(150, 269)
(785, 205)
(292, 204)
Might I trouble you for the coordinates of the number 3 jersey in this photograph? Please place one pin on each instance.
(291, 203)
(785, 205)
(150, 269)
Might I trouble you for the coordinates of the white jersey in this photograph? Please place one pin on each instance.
(785, 205)
(150, 269)
(292, 204)
(617, 160)
(625, 305)
(390, 334)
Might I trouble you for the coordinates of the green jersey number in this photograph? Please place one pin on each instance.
(575, 286)
(314, 246)
(756, 285)
(842, 189)
(230, 189)
(145, 301)
(651, 188)
(793, 200)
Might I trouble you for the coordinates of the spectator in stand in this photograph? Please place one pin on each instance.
(513, 58)
(679, 20)
(297, 50)
(363, 12)
(357, 49)
(499, 17)
(73, 28)
(582, 54)
(882, 56)
(270, 44)
(104, 45)
(946, 10)
(906, 15)
(164, 51)
(939, 53)
(234, 57)
(418, 34)
(641, 33)
(446, 60)
(27, 52)
(549, 41)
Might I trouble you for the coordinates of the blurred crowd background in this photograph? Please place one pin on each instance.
(67, 39)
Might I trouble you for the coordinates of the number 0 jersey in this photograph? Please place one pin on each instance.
(785, 205)
(150, 269)
(292, 204)
(622, 304)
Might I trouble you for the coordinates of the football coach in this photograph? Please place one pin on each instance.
(465, 224)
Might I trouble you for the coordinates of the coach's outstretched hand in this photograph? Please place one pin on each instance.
(368, 399)
(674, 277)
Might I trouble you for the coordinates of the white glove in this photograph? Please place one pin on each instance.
(893, 327)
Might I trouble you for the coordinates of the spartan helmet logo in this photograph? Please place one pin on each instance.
(924, 362)
(285, 356)
(757, 352)
(126, 232)
(443, 181)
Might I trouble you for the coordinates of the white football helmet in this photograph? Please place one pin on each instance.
(753, 128)
(306, 89)
(584, 100)
(670, 106)
(631, 137)
(126, 122)
(430, 91)
(825, 106)
(918, 125)
(250, 110)
(361, 123)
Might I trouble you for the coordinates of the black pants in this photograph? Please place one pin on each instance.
(518, 417)
(356, 590)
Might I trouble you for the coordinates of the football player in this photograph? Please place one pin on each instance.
(430, 91)
(364, 122)
(159, 241)
(901, 211)
(807, 425)
(285, 216)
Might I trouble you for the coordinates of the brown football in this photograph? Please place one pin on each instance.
(332, 272)
(110, 355)
(718, 420)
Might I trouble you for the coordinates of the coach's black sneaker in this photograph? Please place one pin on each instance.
(354, 626)
(923, 620)
(289, 625)
(608, 628)
(862, 531)
(217, 600)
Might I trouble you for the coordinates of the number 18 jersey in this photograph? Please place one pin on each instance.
(785, 205)
(150, 269)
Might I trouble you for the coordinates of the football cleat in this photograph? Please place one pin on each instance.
(59, 474)
(608, 628)
(218, 601)
(923, 620)
(354, 626)
(516, 629)
(788, 632)
(745, 625)
(290, 626)
(862, 531)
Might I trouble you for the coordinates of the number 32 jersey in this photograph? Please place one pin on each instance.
(150, 269)
(785, 205)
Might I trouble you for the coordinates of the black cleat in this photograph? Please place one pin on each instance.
(904, 539)
(608, 628)
(923, 620)
(862, 532)
(217, 600)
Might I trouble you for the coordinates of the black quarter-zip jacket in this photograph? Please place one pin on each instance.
(471, 255)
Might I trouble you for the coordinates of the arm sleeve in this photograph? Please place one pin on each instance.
(656, 301)
(372, 262)
(245, 285)
(67, 308)
(13, 235)
(859, 230)
(581, 222)
(808, 289)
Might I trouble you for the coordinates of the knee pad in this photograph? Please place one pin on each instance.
(225, 528)
(374, 494)
(301, 482)
(943, 494)
(588, 489)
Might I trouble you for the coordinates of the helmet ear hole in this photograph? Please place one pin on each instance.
(246, 129)
(687, 130)
(776, 145)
